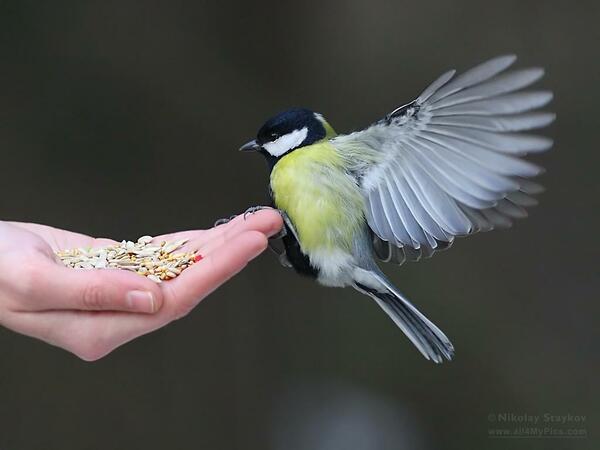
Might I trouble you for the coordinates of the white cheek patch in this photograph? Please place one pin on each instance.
(320, 118)
(285, 143)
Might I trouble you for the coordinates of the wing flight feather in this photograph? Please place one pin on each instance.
(450, 163)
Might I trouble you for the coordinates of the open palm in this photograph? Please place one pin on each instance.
(91, 312)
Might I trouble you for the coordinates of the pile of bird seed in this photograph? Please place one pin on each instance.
(157, 261)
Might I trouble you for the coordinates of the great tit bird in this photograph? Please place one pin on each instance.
(446, 164)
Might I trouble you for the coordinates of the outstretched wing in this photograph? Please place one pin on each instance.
(449, 163)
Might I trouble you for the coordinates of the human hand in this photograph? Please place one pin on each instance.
(91, 312)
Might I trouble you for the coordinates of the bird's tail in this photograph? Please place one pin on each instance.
(428, 338)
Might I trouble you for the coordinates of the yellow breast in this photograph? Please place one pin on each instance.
(322, 200)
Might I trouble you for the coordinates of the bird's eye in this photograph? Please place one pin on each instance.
(273, 136)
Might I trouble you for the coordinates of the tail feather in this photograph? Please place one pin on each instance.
(428, 338)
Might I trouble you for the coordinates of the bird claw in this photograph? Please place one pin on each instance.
(281, 233)
(224, 221)
(249, 211)
(284, 261)
(254, 209)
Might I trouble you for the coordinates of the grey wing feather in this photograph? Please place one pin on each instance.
(450, 163)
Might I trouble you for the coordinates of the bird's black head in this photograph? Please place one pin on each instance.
(288, 131)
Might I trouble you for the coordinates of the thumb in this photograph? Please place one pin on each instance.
(57, 287)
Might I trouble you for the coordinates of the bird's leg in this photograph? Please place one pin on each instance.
(275, 248)
(287, 228)
(281, 254)
(288, 225)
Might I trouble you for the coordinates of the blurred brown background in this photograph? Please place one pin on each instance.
(109, 109)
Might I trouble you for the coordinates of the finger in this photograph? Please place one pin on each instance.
(62, 239)
(204, 277)
(89, 335)
(56, 238)
(268, 222)
(53, 287)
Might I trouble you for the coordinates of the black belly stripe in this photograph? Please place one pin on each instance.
(297, 259)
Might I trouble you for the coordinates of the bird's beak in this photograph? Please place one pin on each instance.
(251, 146)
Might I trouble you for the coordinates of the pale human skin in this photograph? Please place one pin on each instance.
(92, 312)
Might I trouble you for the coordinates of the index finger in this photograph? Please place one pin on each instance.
(266, 221)
(184, 292)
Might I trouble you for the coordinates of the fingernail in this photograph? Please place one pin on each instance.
(141, 301)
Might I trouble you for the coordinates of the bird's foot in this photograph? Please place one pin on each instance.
(284, 261)
(224, 220)
(279, 235)
(273, 240)
(253, 209)
(278, 249)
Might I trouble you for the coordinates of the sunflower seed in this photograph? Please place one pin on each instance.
(157, 262)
